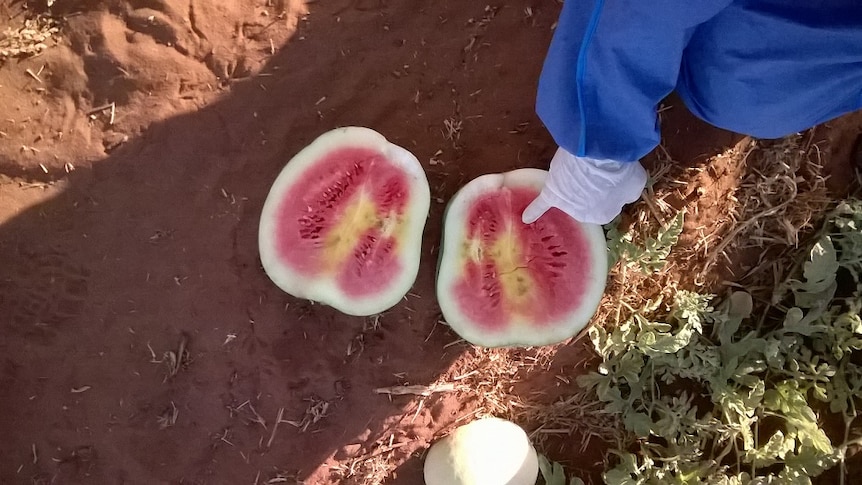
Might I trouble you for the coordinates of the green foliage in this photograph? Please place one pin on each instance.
(652, 255)
(752, 382)
(553, 473)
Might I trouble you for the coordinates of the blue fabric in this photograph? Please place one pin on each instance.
(766, 68)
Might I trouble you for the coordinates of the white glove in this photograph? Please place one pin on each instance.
(588, 190)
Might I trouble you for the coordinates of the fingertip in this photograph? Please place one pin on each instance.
(533, 212)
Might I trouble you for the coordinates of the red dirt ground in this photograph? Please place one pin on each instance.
(125, 232)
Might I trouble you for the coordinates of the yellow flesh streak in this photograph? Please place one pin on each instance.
(516, 282)
(360, 216)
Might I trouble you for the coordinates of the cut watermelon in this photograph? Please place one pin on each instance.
(501, 282)
(343, 222)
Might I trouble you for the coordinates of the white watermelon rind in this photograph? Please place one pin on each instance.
(488, 450)
(325, 290)
(520, 334)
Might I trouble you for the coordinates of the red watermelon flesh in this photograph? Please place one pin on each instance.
(356, 198)
(343, 222)
(502, 282)
(523, 263)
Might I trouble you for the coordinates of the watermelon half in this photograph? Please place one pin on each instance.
(343, 222)
(503, 283)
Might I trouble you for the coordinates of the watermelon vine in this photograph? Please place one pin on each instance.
(727, 391)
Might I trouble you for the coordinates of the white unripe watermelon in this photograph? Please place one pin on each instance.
(343, 222)
(489, 451)
(501, 282)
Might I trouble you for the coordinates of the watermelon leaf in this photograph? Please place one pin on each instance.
(750, 361)
(652, 255)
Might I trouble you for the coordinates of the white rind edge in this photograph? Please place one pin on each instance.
(325, 290)
(449, 269)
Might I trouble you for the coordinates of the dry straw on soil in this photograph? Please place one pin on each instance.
(28, 39)
(744, 210)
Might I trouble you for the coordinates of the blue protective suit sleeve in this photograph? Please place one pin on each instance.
(609, 65)
(768, 68)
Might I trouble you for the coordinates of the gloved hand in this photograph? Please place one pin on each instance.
(588, 190)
